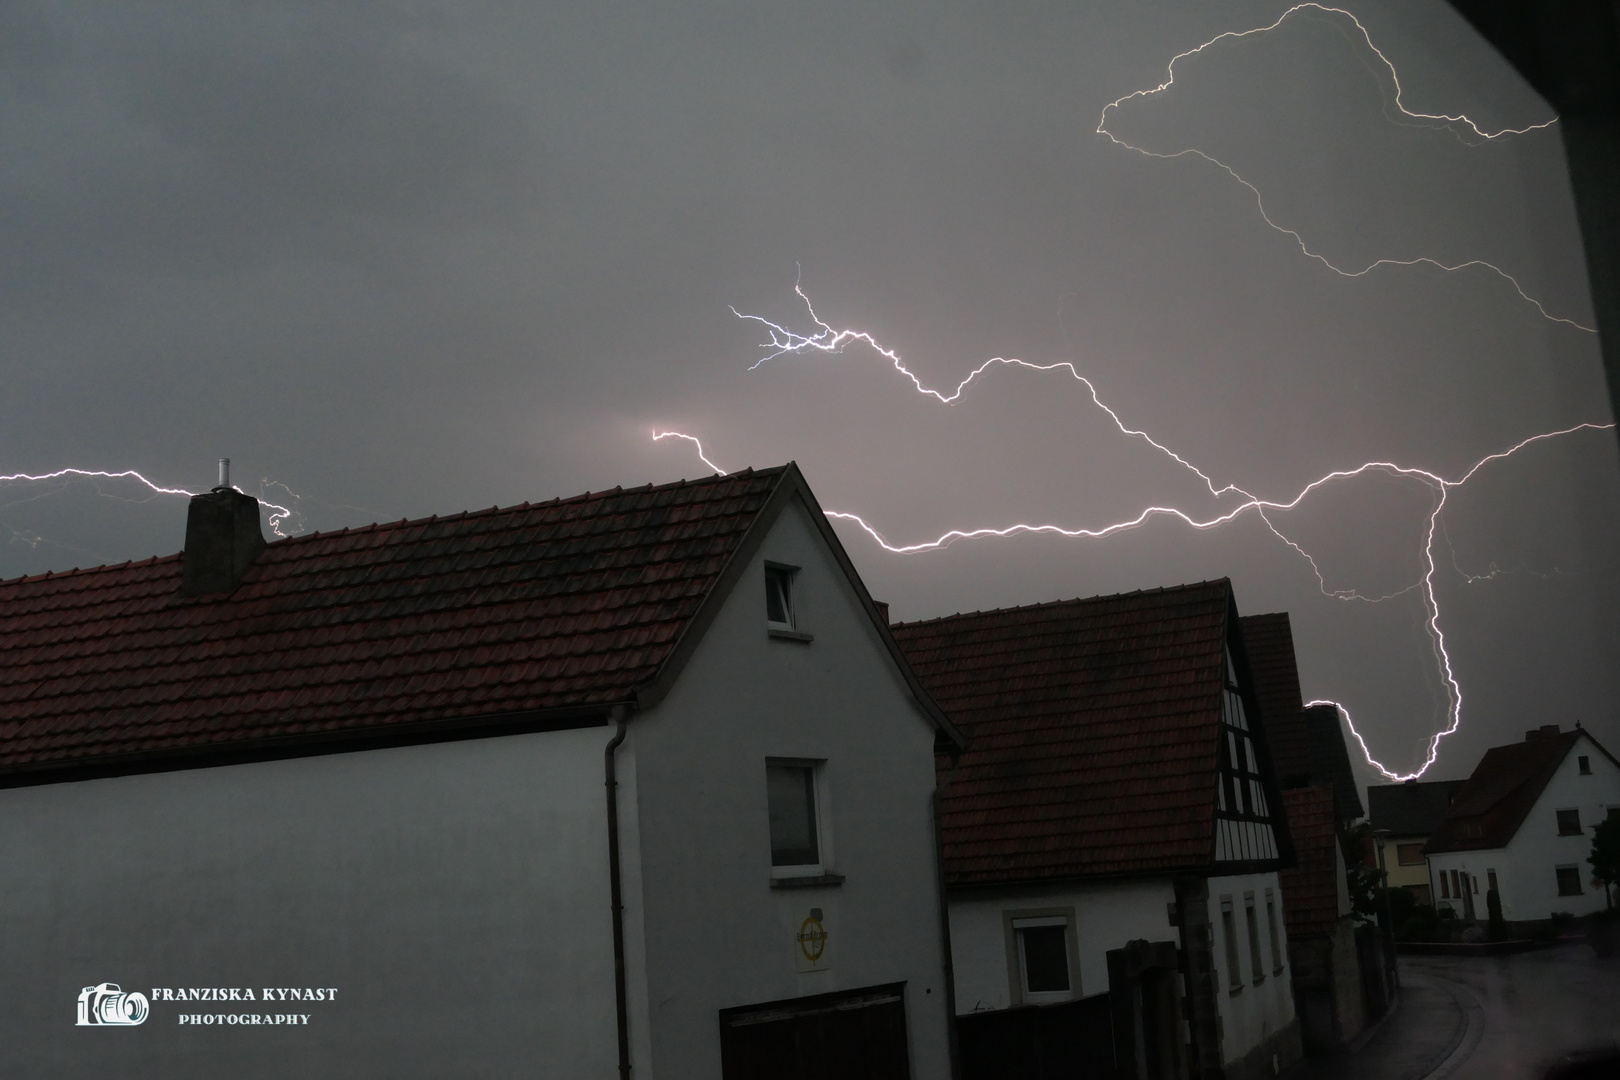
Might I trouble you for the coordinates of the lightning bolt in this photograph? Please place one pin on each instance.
(275, 515)
(661, 435)
(1432, 118)
(782, 341)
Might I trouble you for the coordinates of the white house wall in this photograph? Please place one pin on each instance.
(455, 896)
(1262, 1007)
(717, 935)
(1107, 915)
(1526, 870)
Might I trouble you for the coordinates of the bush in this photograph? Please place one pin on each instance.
(1422, 924)
(1493, 903)
(1402, 905)
(1603, 932)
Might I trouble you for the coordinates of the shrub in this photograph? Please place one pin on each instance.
(1421, 925)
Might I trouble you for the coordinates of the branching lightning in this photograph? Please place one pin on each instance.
(275, 515)
(660, 435)
(1432, 118)
(825, 339)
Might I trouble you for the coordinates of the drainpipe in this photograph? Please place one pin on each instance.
(620, 715)
(953, 1045)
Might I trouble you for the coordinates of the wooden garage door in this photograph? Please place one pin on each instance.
(857, 1034)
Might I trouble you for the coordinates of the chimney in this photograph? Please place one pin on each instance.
(883, 610)
(222, 538)
(1545, 731)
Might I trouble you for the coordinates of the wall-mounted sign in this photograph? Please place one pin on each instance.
(811, 951)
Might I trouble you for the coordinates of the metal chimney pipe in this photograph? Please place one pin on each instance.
(224, 472)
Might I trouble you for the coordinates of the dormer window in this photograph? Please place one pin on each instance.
(779, 597)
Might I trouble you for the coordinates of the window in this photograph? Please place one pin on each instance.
(1490, 880)
(1409, 854)
(1043, 955)
(1569, 881)
(779, 597)
(1234, 978)
(1445, 890)
(795, 826)
(1456, 885)
(1252, 924)
(1271, 932)
(1569, 823)
(1585, 764)
(1042, 964)
(1473, 881)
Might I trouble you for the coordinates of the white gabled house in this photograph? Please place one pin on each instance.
(1521, 826)
(633, 784)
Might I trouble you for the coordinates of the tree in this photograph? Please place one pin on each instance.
(1365, 882)
(1605, 857)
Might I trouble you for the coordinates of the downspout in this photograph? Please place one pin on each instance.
(620, 715)
(953, 1045)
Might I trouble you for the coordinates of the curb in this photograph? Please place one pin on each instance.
(1473, 1028)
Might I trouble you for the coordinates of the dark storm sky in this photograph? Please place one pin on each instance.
(415, 258)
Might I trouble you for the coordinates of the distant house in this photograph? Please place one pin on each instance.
(635, 783)
(1521, 826)
(1112, 827)
(1343, 969)
(1403, 816)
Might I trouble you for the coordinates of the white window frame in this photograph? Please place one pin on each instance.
(1013, 922)
(823, 812)
(1271, 932)
(775, 572)
(1251, 926)
(1229, 932)
(1580, 828)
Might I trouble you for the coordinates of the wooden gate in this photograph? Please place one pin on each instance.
(1071, 1041)
(858, 1034)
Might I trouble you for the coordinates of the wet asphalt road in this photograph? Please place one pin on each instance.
(1488, 1018)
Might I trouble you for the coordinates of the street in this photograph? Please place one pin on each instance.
(1488, 1018)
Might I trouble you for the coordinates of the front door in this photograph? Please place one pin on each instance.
(858, 1034)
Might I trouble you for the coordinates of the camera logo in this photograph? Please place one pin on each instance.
(108, 1005)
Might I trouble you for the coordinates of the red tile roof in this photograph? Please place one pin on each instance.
(1311, 888)
(1092, 732)
(1491, 804)
(571, 603)
(1307, 745)
(1269, 641)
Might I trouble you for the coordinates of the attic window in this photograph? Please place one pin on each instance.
(779, 597)
(1585, 764)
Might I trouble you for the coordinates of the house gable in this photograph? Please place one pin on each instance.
(829, 699)
(1491, 806)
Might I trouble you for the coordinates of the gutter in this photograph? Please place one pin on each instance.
(952, 1042)
(621, 716)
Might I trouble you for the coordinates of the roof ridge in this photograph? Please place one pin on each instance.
(1157, 590)
(561, 500)
(85, 571)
